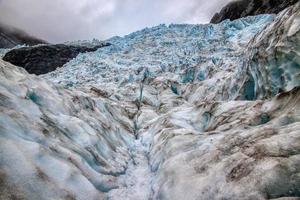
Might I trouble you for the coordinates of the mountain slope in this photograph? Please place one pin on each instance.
(242, 8)
(42, 59)
(10, 37)
(171, 112)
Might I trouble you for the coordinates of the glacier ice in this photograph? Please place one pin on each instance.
(170, 112)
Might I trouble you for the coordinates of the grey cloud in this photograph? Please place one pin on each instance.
(62, 20)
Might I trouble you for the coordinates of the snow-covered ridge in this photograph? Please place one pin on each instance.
(171, 112)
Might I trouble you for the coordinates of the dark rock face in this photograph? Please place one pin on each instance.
(10, 37)
(46, 58)
(243, 8)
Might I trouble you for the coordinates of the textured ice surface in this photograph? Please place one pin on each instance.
(170, 112)
(4, 51)
(61, 143)
(135, 184)
(275, 55)
(180, 53)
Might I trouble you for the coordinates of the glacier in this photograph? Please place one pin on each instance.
(171, 112)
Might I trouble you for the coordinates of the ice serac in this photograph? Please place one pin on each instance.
(170, 112)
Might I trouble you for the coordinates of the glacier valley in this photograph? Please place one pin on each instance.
(173, 112)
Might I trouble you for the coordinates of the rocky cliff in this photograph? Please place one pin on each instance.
(242, 8)
(42, 59)
(170, 112)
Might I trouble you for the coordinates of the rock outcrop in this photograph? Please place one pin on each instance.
(43, 59)
(10, 37)
(204, 112)
(243, 8)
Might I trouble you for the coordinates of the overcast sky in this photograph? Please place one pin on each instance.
(65, 20)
